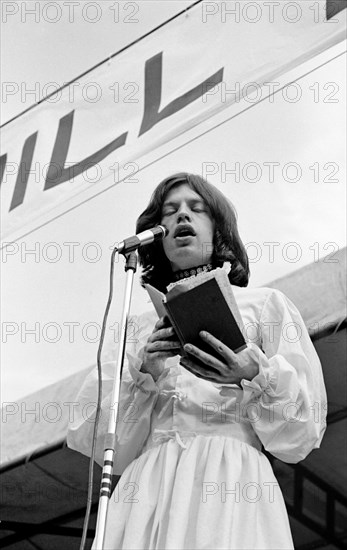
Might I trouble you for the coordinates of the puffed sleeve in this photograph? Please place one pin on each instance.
(138, 396)
(286, 402)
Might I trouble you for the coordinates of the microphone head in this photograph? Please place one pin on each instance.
(164, 229)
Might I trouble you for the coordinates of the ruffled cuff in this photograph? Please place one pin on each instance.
(142, 380)
(262, 383)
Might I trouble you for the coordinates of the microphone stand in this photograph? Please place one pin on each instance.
(110, 438)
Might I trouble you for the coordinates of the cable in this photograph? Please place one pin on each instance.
(98, 407)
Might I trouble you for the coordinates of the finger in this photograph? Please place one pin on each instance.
(197, 367)
(163, 322)
(205, 374)
(217, 345)
(163, 345)
(197, 370)
(160, 323)
(206, 358)
(162, 334)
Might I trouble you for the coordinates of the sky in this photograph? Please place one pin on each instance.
(67, 298)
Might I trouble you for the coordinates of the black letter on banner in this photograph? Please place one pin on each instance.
(153, 81)
(23, 172)
(56, 173)
(334, 7)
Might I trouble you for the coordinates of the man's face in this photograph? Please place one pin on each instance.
(191, 228)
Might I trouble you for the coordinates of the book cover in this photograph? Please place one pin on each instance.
(204, 308)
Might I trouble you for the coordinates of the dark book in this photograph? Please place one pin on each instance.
(203, 307)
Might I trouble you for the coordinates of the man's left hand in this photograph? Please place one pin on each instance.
(230, 369)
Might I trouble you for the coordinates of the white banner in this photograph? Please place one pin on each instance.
(96, 132)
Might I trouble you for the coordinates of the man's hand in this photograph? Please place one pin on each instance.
(161, 345)
(230, 369)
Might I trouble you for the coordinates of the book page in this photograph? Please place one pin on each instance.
(157, 298)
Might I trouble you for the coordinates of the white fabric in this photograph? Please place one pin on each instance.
(194, 474)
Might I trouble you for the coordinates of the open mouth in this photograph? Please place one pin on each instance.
(184, 231)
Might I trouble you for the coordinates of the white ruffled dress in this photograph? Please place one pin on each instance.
(189, 451)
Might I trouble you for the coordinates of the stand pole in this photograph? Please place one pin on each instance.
(110, 438)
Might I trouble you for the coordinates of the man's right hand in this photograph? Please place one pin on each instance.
(161, 345)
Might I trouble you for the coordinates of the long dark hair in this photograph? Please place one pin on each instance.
(227, 244)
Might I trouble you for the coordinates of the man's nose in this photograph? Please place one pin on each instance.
(183, 214)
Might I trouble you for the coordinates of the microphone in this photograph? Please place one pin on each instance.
(145, 237)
